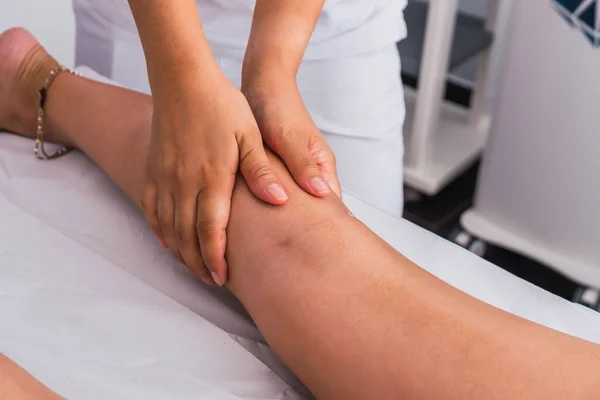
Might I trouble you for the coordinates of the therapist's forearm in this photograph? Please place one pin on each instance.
(280, 34)
(174, 42)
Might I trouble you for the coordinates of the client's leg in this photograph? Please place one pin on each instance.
(16, 383)
(351, 317)
(354, 319)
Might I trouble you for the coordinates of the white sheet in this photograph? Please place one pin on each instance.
(94, 308)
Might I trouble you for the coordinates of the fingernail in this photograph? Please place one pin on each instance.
(319, 185)
(196, 274)
(275, 190)
(216, 278)
(163, 244)
(207, 281)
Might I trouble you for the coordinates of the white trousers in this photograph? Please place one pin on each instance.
(356, 102)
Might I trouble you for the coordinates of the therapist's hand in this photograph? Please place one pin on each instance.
(288, 130)
(202, 132)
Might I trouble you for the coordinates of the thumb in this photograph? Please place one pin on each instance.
(256, 170)
(325, 159)
(297, 156)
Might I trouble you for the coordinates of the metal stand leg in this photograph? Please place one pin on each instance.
(432, 78)
(479, 103)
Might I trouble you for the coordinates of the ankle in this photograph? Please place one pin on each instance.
(32, 76)
(34, 70)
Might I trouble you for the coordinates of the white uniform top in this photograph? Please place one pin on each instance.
(349, 78)
(346, 27)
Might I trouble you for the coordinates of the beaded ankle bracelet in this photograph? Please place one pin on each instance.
(39, 150)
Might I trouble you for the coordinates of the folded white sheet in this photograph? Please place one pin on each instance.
(76, 315)
(93, 307)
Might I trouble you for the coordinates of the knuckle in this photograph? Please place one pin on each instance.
(315, 142)
(166, 226)
(149, 209)
(252, 134)
(209, 173)
(306, 162)
(286, 132)
(176, 171)
(326, 152)
(282, 135)
(332, 157)
(187, 177)
(206, 229)
(180, 172)
(168, 166)
(181, 235)
(260, 170)
(250, 141)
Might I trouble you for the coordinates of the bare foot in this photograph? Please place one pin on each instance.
(24, 65)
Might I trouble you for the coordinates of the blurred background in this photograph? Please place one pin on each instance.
(52, 22)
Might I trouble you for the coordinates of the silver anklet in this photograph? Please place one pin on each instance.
(39, 150)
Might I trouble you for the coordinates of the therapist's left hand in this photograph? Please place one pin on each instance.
(290, 132)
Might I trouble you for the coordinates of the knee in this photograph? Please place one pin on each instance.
(263, 239)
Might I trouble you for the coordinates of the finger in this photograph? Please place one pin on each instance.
(166, 215)
(256, 170)
(295, 152)
(204, 274)
(214, 204)
(186, 237)
(149, 206)
(325, 159)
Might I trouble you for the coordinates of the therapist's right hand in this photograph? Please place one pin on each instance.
(202, 132)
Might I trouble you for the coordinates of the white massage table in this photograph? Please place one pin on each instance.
(92, 306)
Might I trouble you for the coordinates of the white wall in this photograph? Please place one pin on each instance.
(51, 21)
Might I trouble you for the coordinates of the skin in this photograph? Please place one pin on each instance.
(278, 39)
(204, 130)
(352, 317)
(16, 383)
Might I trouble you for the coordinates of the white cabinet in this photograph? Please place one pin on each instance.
(539, 187)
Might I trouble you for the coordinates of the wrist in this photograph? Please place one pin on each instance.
(268, 69)
(261, 91)
(185, 78)
(267, 80)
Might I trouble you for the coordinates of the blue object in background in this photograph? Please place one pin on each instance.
(583, 15)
